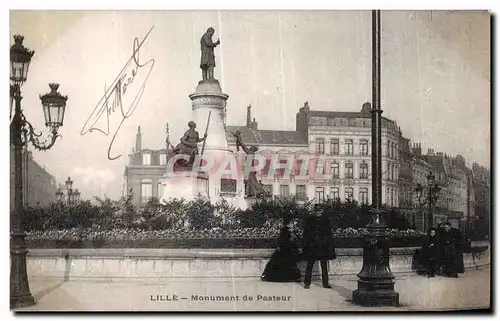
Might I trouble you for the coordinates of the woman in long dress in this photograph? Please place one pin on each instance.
(282, 267)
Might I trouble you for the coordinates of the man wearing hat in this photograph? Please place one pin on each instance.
(318, 245)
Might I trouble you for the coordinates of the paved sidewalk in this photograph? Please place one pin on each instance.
(470, 290)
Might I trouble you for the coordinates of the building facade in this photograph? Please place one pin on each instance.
(481, 180)
(143, 172)
(39, 186)
(339, 144)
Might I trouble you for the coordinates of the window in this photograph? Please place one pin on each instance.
(161, 190)
(334, 193)
(300, 193)
(146, 159)
(319, 194)
(363, 171)
(320, 145)
(163, 159)
(363, 195)
(334, 169)
(388, 171)
(363, 144)
(280, 172)
(318, 121)
(334, 146)
(349, 193)
(297, 167)
(146, 190)
(349, 147)
(227, 185)
(284, 191)
(388, 149)
(349, 171)
(391, 200)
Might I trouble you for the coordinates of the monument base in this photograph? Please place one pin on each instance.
(185, 187)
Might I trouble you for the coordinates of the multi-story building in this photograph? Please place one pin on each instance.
(482, 201)
(143, 173)
(406, 185)
(340, 145)
(39, 186)
(420, 169)
(451, 202)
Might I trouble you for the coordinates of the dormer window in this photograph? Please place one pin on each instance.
(163, 159)
(146, 159)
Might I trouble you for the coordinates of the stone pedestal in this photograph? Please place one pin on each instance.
(209, 99)
(186, 187)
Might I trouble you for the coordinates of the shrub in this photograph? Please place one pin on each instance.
(201, 214)
(81, 215)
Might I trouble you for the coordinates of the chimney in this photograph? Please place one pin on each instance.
(138, 140)
(249, 115)
(302, 120)
(417, 149)
(254, 124)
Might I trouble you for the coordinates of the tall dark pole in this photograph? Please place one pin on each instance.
(20, 294)
(376, 114)
(375, 284)
(430, 213)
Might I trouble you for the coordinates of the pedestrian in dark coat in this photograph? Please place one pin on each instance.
(452, 251)
(318, 245)
(430, 253)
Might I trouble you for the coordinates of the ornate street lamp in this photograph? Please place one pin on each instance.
(76, 195)
(69, 183)
(69, 188)
(22, 133)
(431, 198)
(376, 281)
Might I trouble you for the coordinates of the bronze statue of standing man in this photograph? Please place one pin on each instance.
(207, 63)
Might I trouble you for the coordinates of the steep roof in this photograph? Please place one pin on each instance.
(435, 161)
(333, 114)
(266, 137)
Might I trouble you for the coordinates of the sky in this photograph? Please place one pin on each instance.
(435, 76)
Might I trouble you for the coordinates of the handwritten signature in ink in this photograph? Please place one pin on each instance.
(118, 95)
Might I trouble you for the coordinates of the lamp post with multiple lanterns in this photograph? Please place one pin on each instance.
(72, 195)
(432, 190)
(22, 133)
